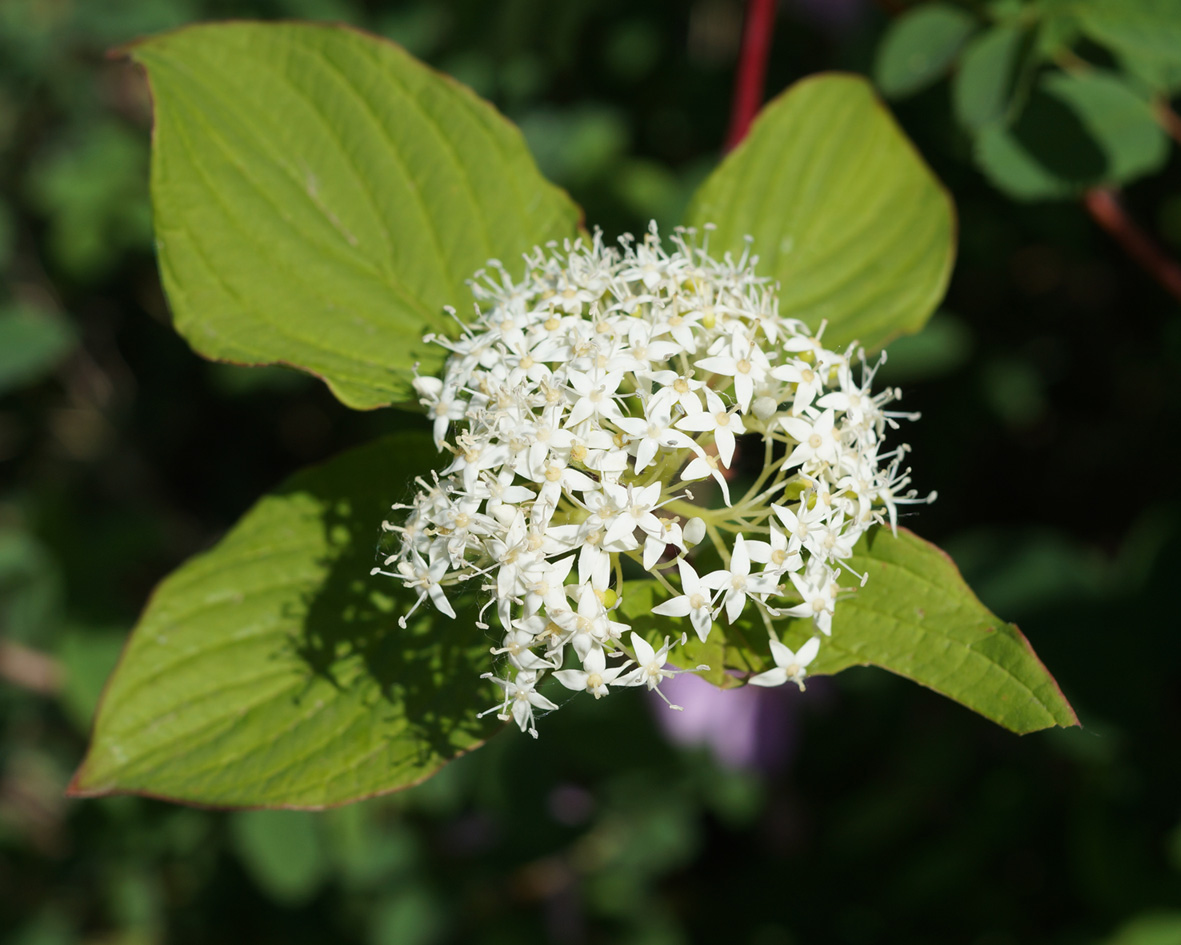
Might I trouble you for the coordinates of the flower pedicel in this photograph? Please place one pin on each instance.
(586, 406)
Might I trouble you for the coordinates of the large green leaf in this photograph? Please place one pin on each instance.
(271, 670)
(319, 196)
(843, 212)
(920, 46)
(915, 617)
(1076, 131)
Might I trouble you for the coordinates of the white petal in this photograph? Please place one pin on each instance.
(724, 438)
(690, 582)
(734, 604)
(744, 389)
(808, 651)
(677, 607)
(440, 601)
(703, 621)
(644, 652)
(654, 548)
(571, 678)
(740, 561)
(541, 701)
(781, 654)
(772, 677)
(698, 422)
(645, 453)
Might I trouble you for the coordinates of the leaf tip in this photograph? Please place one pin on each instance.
(1062, 712)
(79, 786)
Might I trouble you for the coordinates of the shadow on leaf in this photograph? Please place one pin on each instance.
(424, 679)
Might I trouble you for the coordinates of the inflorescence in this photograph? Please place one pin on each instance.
(594, 413)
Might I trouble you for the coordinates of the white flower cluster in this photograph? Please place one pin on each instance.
(575, 409)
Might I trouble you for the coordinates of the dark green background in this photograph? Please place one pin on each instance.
(1049, 391)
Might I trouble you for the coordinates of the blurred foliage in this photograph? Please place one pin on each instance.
(1058, 95)
(1048, 388)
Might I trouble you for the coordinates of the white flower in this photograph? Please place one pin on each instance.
(443, 412)
(745, 362)
(722, 423)
(652, 433)
(704, 466)
(594, 564)
(799, 522)
(632, 509)
(651, 667)
(788, 665)
(675, 389)
(807, 383)
(776, 555)
(595, 395)
(818, 588)
(581, 407)
(737, 583)
(815, 439)
(594, 676)
(556, 477)
(415, 572)
(696, 602)
(520, 698)
(517, 645)
(588, 627)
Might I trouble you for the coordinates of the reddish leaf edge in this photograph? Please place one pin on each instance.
(76, 790)
(958, 575)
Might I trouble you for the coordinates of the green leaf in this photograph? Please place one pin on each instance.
(271, 671)
(919, 47)
(1144, 34)
(1078, 130)
(842, 209)
(32, 343)
(985, 89)
(915, 617)
(319, 196)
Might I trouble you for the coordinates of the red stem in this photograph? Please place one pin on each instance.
(752, 68)
(1105, 209)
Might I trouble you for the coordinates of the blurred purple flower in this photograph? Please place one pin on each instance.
(747, 727)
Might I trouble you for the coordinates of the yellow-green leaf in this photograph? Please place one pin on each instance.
(842, 210)
(320, 195)
(271, 671)
(915, 617)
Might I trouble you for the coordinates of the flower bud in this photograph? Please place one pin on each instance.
(694, 531)
(764, 408)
